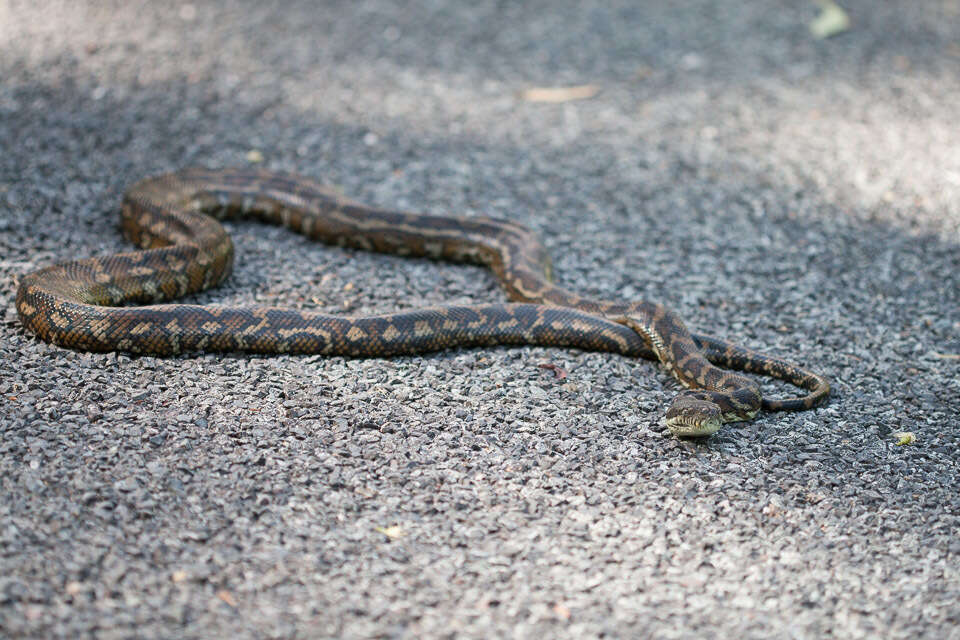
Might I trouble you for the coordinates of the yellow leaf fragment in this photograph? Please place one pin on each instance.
(831, 21)
(559, 94)
(393, 532)
(904, 437)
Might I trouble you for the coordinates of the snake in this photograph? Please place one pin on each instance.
(121, 302)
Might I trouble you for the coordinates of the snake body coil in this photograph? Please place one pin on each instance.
(173, 218)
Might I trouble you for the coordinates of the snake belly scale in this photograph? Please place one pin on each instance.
(173, 218)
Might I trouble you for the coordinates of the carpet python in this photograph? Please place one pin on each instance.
(86, 304)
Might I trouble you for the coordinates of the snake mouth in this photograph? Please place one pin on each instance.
(693, 428)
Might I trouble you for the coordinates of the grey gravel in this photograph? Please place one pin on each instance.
(798, 196)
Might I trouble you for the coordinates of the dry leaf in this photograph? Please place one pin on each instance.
(558, 372)
(227, 597)
(833, 20)
(559, 94)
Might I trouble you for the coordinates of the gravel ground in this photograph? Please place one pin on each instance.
(796, 195)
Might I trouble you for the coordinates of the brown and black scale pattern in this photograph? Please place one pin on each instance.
(184, 249)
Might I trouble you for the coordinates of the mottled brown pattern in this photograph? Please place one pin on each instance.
(174, 219)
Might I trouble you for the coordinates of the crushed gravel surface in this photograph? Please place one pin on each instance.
(796, 195)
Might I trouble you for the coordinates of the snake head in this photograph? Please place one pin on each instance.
(693, 414)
